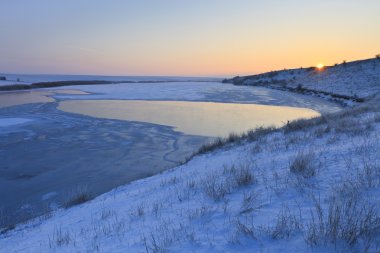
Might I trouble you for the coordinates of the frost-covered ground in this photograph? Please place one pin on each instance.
(312, 186)
(359, 79)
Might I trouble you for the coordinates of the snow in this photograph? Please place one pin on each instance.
(6, 122)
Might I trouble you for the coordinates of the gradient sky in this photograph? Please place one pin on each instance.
(191, 38)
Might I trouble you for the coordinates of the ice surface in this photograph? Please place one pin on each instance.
(6, 122)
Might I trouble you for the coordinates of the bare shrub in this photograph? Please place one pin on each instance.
(304, 165)
(233, 137)
(376, 118)
(206, 148)
(362, 179)
(156, 208)
(191, 184)
(138, 210)
(351, 220)
(160, 240)
(59, 238)
(246, 227)
(199, 212)
(242, 175)
(369, 176)
(216, 187)
(5, 222)
(302, 124)
(252, 135)
(106, 213)
(258, 133)
(352, 112)
(287, 225)
(78, 196)
(350, 126)
(320, 131)
(170, 181)
(250, 202)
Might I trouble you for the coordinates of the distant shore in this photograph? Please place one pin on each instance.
(39, 85)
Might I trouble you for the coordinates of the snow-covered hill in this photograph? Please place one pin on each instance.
(359, 79)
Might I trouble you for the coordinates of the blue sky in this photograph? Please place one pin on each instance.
(168, 37)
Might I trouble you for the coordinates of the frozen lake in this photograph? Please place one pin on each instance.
(207, 119)
(53, 141)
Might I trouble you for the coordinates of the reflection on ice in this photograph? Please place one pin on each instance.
(195, 118)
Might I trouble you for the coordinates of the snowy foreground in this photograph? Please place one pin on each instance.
(312, 186)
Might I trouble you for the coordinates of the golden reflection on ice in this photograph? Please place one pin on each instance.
(196, 118)
(13, 98)
(24, 97)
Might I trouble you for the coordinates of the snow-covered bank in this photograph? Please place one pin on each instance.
(312, 186)
(347, 81)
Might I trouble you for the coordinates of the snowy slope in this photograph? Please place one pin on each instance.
(355, 79)
(272, 193)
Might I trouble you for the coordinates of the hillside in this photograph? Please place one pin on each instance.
(357, 80)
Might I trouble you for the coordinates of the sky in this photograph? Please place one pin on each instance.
(183, 38)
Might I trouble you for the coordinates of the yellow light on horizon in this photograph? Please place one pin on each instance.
(320, 66)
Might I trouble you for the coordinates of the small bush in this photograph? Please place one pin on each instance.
(206, 148)
(246, 228)
(242, 175)
(303, 165)
(287, 225)
(250, 202)
(60, 238)
(303, 124)
(77, 197)
(351, 220)
(252, 135)
(216, 187)
(349, 126)
(258, 133)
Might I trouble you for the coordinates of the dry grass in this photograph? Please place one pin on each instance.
(351, 220)
(78, 196)
(304, 165)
